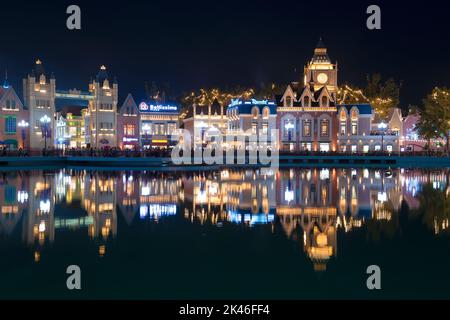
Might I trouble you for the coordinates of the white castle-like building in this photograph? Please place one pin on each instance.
(39, 93)
(41, 97)
(102, 110)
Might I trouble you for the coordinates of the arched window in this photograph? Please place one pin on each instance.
(324, 101)
(343, 115)
(255, 112)
(354, 114)
(306, 101)
(266, 113)
(324, 128)
(288, 101)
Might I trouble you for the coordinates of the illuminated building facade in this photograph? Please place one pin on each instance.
(39, 94)
(14, 120)
(307, 112)
(158, 122)
(102, 111)
(204, 122)
(255, 118)
(310, 119)
(128, 123)
(70, 127)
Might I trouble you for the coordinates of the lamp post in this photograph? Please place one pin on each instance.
(382, 126)
(45, 120)
(23, 125)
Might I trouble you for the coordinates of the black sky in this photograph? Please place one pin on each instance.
(193, 44)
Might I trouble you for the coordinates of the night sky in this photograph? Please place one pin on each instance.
(192, 44)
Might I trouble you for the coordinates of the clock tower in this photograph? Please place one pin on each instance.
(320, 71)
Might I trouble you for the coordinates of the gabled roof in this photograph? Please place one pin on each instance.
(9, 91)
(129, 102)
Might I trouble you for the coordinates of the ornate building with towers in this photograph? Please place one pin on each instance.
(102, 111)
(39, 96)
(307, 111)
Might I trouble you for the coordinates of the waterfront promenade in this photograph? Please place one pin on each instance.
(163, 161)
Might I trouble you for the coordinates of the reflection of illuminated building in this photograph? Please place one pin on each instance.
(306, 199)
(310, 205)
(158, 197)
(235, 196)
(13, 200)
(128, 195)
(204, 199)
(39, 222)
(100, 203)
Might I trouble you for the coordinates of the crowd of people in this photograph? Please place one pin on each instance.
(165, 152)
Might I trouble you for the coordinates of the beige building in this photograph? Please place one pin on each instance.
(39, 96)
(102, 111)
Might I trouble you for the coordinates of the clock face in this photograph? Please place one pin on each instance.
(322, 78)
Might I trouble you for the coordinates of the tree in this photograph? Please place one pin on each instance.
(348, 94)
(435, 116)
(382, 96)
(426, 127)
(434, 207)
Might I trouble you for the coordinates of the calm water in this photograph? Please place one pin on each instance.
(300, 233)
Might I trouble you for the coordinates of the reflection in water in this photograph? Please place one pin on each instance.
(312, 207)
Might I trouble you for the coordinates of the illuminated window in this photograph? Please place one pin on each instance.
(307, 128)
(354, 128)
(343, 128)
(324, 127)
(266, 113)
(128, 130)
(254, 126)
(289, 129)
(288, 101)
(264, 128)
(10, 124)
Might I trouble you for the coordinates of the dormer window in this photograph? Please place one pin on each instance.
(288, 101)
(324, 101)
(255, 112)
(42, 79)
(266, 113)
(306, 101)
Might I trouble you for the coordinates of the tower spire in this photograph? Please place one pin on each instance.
(311, 80)
(5, 82)
(320, 44)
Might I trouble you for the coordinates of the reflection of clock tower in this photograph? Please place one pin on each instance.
(322, 71)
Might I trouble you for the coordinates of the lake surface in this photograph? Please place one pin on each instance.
(298, 233)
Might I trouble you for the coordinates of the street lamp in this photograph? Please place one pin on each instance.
(382, 126)
(45, 120)
(23, 125)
